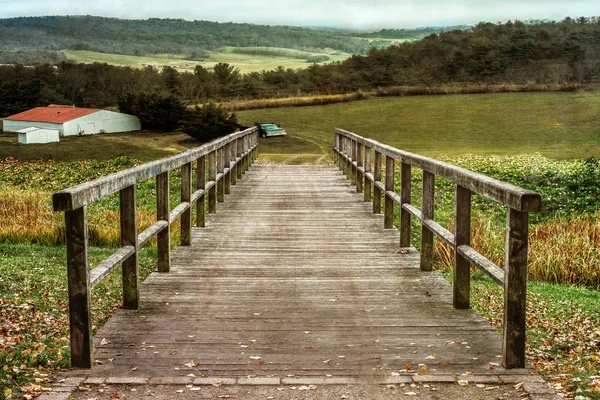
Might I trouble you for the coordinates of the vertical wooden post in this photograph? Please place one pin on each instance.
(359, 163)
(212, 176)
(78, 273)
(405, 198)
(348, 154)
(377, 178)
(201, 184)
(163, 211)
(336, 149)
(186, 196)
(368, 184)
(462, 235)
(427, 213)
(233, 172)
(388, 221)
(515, 289)
(227, 161)
(129, 237)
(221, 182)
(245, 147)
(354, 170)
(240, 158)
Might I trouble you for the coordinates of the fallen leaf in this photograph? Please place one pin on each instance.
(135, 368)
(103, 342)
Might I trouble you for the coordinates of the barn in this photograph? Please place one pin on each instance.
(37, 135)
(70, 121)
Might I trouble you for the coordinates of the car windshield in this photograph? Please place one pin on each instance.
(269, 127)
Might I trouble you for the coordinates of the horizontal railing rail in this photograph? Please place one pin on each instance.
(228, 157)
(361, 160)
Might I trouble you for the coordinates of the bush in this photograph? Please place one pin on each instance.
(208, 122)
(156, 111)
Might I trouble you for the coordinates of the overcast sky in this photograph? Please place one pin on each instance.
(363, 14)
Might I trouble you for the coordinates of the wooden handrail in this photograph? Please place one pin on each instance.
(519, 202)
(232, 155)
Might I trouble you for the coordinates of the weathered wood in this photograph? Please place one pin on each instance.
(359, 168)
(201, 185)
(80, 319)
(367, 182)
(427, 213)
(220, 173)
(332, 284)
(505, 193)
(227, 162)
(145, 236)
(186, 197)
(107, 266)
(377, 178)
(129, 237)
(462, 236)
(234, 168)
(353, 157)
(163, 212)
(515, 288)
(405, 198)
(481, 262)
(239, 158)
(388, 221)
(212, 176)
(88, 192)
(178, 211)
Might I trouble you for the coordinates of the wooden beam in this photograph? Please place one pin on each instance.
(461, 298)
(186, 197)
(220, 170)
(377, 179)
(163, 211)
(367, 182)
(201, 185)
(427, 213)
(227, 163)
(129, 237)
(405, 198)
(78, 269)
(388, 221)
(212, 176)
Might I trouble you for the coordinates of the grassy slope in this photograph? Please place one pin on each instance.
(557, 125)
(245, 62)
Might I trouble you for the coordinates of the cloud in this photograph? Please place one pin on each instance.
(340, 13)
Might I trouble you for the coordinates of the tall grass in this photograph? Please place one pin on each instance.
(318, 100)
(468, 88)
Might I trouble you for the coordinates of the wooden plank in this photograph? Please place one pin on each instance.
(220, 175)
(80, 319)
(515, 289)
(359, 168)
(88, 192)
(368, 177)
(186, 197)
(200, 188)
(388, 221)
(129, 238)
(427, 214)
(505, 193)
(377, 191)
(439, 231)
(227, 166)
(234, 163)
(477, 259)
(145, 236)
(405, 199)
(462, 236)
(109, 264)
(211, 185)
(179, 211)
(163, 214)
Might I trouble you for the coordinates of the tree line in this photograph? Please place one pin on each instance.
(512, 52)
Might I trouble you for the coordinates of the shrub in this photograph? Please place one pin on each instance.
(208, 122)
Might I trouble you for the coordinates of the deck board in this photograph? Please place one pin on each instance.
(295, 269)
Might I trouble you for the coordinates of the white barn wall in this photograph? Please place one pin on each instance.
(39, 136)
(101, 121)
(14, 126)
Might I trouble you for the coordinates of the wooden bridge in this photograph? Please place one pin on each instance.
(298, 275)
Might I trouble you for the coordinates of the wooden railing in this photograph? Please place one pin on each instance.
(354, 156)
(228, 158)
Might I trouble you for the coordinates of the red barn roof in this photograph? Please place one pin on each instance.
(53, 114)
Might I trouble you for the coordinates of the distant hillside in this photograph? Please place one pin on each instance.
(153, 36)
(417, 33)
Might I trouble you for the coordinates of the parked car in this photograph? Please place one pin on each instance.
(270, 129)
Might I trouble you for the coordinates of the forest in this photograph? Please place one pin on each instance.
(512, 52)
(154, 36)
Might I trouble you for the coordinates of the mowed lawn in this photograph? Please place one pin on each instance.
(556, 125)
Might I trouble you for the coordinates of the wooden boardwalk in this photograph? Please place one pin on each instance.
(294, 276)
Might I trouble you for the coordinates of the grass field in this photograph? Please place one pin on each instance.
(556, 125)
(245, 62)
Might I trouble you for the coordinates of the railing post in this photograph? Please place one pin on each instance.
(359, 163)
(201, 184)
(78, 272)
(240, 155)
(336, 149)
(462, 235)
(220, 169)
(427, 213)
(515, 288)
(233, 172)
(367, 182)
(354, 169)
(163, 211)
(212, 176)
(245, 162)
(186, 196)
(377, 178)
(227, 160)
(405, 198)
(130, 267)
(389, 186)
(348, 155)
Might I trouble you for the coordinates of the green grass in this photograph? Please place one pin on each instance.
(33, 309)
(145, 146)
(245, 62)
(555, 125)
